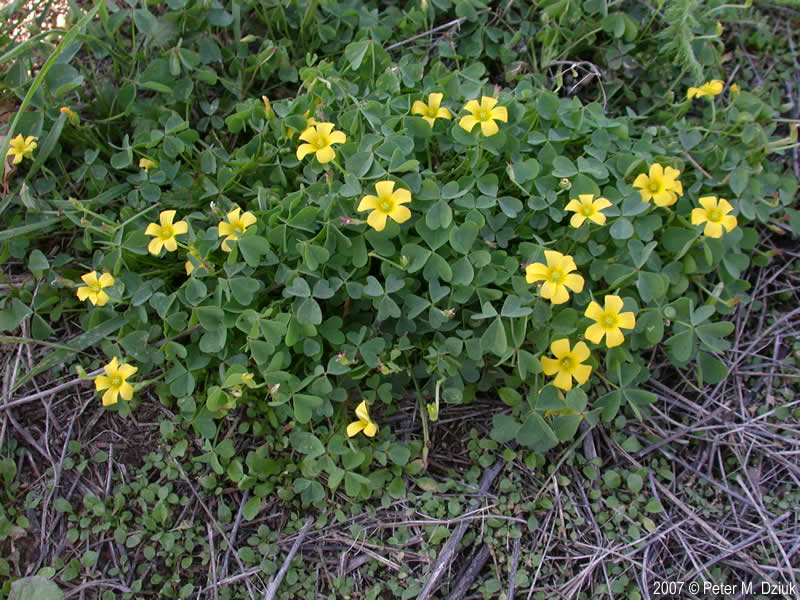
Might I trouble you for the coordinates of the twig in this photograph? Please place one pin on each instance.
(469, 573)
(512, 574)
(272, 588)
(449, 550)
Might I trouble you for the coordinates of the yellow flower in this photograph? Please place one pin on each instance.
(710, 89)
(387, 203)
(234, 226)
(189, 264)
(165, 233)
(608, 321)
(484, 113)
(93, 290)
(21, 148)
(114, 382)
(364, 423)
(431, 111)
(556, 275)
(267, 107)
(146, 164)
(586, 207)
(661, 185)
(715, 215)
(319, 138)
(567, 363)
(735, 89)
(71, 115)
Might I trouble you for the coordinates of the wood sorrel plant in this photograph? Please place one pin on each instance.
(386, 240)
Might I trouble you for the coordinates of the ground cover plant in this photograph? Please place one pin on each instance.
(444, 297)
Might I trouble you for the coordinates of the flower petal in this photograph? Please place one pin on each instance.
(601, 203)
(598, 218)
(337, 137)
(110, 397)
(626, 320)
(613, 303)
(487, 102)
(324, 129)
(309, 134)
(500, 113)
(419, 108)
(101, 382)
(549, 365)
(560, 348)
(444, 113)
(536, 272)
(573, 205)
(325, 155)
(563, 381)
(106, 280)
(126, 391)
(489, 128)
(384, 189)
(354, 428)
(377, 220)
(101, 299)
(472, 106)
(112, 367)
(713, 230)
(166, 217)
(171, 244)
(594, 311)
(581, 373)
(400, 214)
(370, 430)
(180, 227)
(467, 123)
(577, 220)
(248, 219)
(368, 202)
(402, 196)
(362, 412)
(435, 99)
(83, 293)
(708, 202)
(729, 222)
(90, 278)
(155, 245)
(614, 338)
(698, 216)
(574, 282)
(594, 333)
(303, 150)
(152, 229)
(126, 370)
(581, 352)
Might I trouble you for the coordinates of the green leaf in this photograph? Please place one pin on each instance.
(504, 428)
(462, 238)
(62, 78)
(439, 216)
(35, 588)
(145, 21)
(635, 483)
(244, 289)
(11, 317)
(536, 434)
(494, 338)
(359, 163)
(309, 312)
(355, 53)
(210, 317)
(512, 308)
(652, 286)
(711, 369)
(526, 170)
(711, 335)
(306, 443)
(251, 508)
(563, 167)
(621, 229)
(252, 248)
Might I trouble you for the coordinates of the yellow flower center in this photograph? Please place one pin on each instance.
(433, 111)
(587, 211)
(483, 114)
(95, 287)
(714, 215)
(166, 232)
(321, 142)
(608, 321)
(237, 226)
(567, 363)
(654, 186)
(556, 276)
(116, 381)
(386, 205)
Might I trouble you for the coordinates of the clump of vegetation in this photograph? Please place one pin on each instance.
(309, 243)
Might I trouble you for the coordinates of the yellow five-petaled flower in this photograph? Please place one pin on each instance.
(710, 89)
(485, 113)
(364, 423)
(21, 147)
(236, 224)
(319, 139)
(165, 233)
(587, 207)
(567, 364)
(388, 203)
(432, 110)
(557, 276)
(93, 290)
(661, 185)
(715, 215)
(608, 321)
(114, 382)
